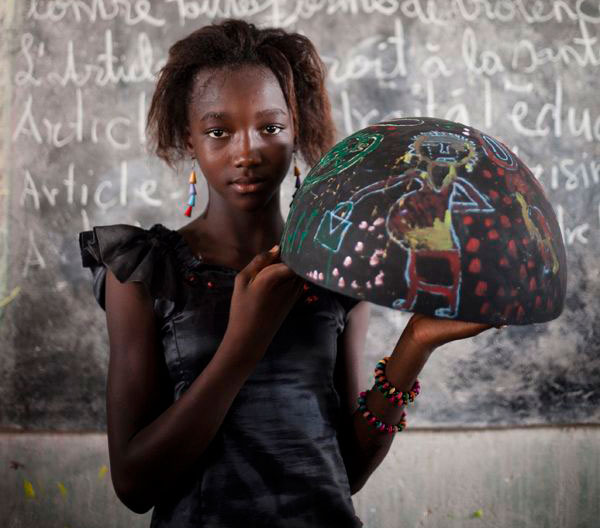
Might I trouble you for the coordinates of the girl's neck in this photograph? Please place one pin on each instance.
(233, 237)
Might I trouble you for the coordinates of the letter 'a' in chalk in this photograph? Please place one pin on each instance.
(430, 216)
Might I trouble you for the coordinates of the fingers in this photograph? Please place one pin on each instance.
(278, 272)
(258, 263)
(270, 269)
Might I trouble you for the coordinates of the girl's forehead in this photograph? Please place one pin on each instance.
(248, 84)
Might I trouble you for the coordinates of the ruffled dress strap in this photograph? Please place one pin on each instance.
(133, 254)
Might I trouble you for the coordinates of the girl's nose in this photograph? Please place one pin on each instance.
(248, 153)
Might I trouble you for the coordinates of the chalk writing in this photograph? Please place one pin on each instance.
(549, 120)
(370, 63)
(572, 233)
(581, 51)
(394, 67)
(106, 194)
(426, 103)
(108, 68)
(192, 10)
(427, 12)
(33, 257)
(130, 12)
(118, 132)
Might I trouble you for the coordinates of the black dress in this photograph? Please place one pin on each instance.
(275, 461)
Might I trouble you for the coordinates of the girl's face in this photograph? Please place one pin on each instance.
(240, 128)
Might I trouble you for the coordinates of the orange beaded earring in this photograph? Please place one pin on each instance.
(297, 175)
(192, 198)
(296, 172)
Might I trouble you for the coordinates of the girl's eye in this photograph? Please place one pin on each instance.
(273, 129)
(217, 133)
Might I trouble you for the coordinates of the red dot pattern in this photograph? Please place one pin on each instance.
(481, 288)
(475, 266)
(522, 272)
(516, 289)
(538, 301)
(472, 245)
(505, 221)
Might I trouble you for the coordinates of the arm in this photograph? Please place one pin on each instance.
(349, 381)
(363, 447)
(152, 442)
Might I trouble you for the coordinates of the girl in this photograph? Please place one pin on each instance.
(232, 384)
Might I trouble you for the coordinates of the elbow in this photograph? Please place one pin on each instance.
(355, 489)
(134, 498)
(131, 486)
(356, 485)
(137, 507)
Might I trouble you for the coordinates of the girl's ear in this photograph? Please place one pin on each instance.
(188, 142)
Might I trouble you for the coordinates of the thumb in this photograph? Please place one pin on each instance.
(259, 262)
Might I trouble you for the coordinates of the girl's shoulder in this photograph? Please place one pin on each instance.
(156, 257)
(162, 260)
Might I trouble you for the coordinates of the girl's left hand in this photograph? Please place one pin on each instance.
(431, 332)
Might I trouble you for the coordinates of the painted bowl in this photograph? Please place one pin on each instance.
(430, 216)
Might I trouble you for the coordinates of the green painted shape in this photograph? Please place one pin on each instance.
(344, 155)
(313, 215)
(289, 234)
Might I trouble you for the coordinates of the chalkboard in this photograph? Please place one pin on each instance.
(77, 79)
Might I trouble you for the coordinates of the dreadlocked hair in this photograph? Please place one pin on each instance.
(291, 57)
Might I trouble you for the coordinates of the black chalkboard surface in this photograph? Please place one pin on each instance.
(77, 78)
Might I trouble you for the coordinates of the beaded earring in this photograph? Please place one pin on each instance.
(192, 198)
(296, 172)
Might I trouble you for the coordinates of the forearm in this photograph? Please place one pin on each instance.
(158, 455)
(367, 447)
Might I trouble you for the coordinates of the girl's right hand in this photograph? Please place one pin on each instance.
(264, 293)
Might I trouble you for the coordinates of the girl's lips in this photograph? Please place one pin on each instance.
(248, 187)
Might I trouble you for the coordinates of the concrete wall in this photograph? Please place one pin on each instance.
(535, 477)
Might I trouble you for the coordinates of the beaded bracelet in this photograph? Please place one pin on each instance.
(382, 427)
(396, 397)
